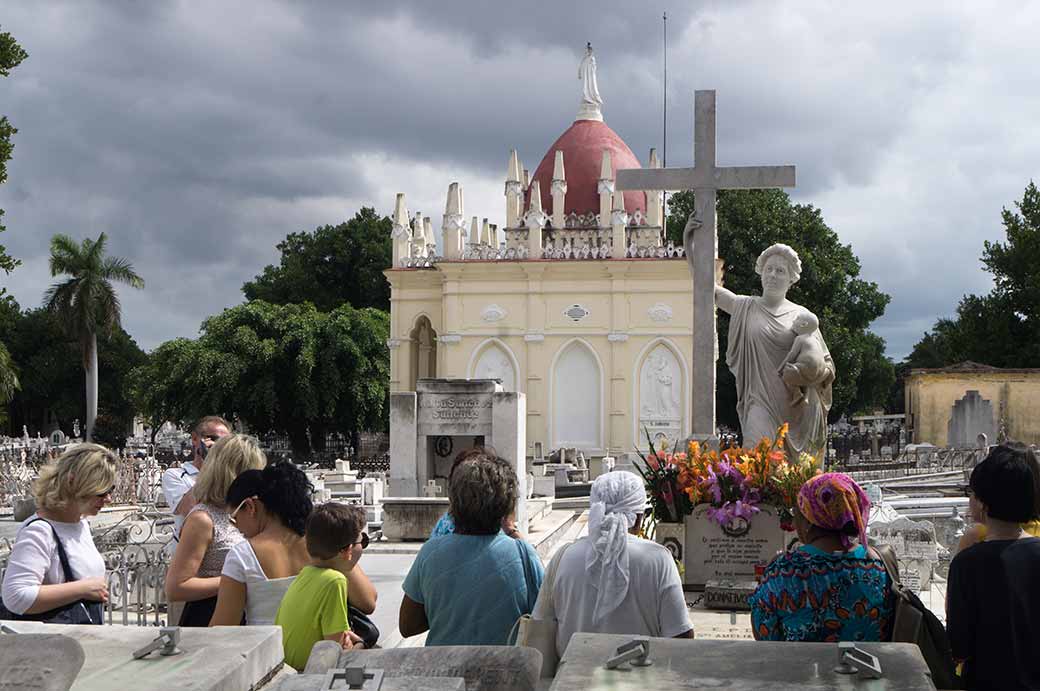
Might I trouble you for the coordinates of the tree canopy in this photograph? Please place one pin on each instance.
(751, 220)
(11, 55)
(1001, 328)
(52, 381)
(331, 266)
(280, 368)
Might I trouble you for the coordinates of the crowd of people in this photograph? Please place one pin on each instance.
(251, 549)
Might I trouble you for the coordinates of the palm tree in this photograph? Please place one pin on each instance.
(8, 378)
(87, 303)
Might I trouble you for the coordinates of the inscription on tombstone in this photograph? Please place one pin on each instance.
(454, 414)
(714, 554)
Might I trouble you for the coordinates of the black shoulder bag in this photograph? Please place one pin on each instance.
(78, 612)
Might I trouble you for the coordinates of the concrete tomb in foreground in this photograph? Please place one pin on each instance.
(696, 664)
(484, 668)
(226, 658)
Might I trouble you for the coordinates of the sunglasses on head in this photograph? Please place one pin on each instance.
(107, 492)
(231, 518)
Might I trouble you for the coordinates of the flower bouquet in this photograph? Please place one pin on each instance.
(733, 481)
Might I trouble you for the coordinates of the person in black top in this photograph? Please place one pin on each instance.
(993, 603)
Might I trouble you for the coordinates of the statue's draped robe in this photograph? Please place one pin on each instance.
(759, 342)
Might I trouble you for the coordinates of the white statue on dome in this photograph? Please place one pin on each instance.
(590, 98)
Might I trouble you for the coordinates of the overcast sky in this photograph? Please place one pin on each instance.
(198, 134)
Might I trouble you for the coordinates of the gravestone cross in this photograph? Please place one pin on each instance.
(705, 179)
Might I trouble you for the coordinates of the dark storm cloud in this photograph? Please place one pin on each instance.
(198, 134)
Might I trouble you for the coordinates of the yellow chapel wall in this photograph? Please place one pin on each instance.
(931, 394)
(631, 305)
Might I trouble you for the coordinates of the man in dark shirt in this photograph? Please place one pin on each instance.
(993, 604)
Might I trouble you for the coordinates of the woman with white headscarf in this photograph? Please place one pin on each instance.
(613, 581)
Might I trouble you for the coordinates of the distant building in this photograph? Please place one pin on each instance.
(951, 406)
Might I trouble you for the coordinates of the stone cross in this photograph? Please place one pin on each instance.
(705, 179)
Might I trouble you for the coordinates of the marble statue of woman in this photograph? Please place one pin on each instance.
(760, 338)
(590, 98)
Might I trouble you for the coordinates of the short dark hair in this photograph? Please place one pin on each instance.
(333, 527)
(283, 489)
(483, 491)
(473, 454)
(205, 422)
(1007, 481)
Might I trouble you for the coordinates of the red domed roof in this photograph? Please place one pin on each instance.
(582, 146)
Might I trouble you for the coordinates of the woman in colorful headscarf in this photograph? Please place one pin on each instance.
(830, 588)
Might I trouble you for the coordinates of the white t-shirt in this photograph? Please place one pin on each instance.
(34, 560)
(654, 605)
(176, 482)
(242, 565)
(263, 595)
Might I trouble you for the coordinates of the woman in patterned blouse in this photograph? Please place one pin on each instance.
(831, 588)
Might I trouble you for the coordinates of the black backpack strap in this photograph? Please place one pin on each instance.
(887, 555)
(63, 558)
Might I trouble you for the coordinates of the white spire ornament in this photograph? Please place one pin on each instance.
(591, 101)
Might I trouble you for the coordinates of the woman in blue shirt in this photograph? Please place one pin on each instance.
(470, 586)
(831, 588)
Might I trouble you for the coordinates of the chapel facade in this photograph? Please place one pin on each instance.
(578, 301)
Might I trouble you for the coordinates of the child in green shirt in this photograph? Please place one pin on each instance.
(315, 606)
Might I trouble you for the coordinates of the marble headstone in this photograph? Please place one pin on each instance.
(714, 554)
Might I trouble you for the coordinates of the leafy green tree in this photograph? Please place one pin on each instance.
(8, 376)
(1001, 328)
(86, 303)
(281, 368)
(331, 266)
(52, 374)
(750, 221)
(161, 386)
(11, 55)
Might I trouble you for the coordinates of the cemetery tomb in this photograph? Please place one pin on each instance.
(579, 302)
(210, 659)
(703, 664)
(484, 668)
(428, 428)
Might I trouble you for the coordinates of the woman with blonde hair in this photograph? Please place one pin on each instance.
(208, 533)
(55, 573)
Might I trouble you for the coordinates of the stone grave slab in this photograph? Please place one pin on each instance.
(314, 682)
(49, 662)
(224, 658)
(737, 665)
(484, 668)
(714, 554)
(411, 518)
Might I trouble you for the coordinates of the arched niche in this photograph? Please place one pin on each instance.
(494, 360)
(422, 342)
(660, 394)
(577, 398)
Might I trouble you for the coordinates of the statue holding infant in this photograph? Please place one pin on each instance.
(777, 354)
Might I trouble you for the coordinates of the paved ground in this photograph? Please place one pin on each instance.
(387, 572)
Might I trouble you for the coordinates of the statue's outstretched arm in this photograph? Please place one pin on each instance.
(724, 298)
